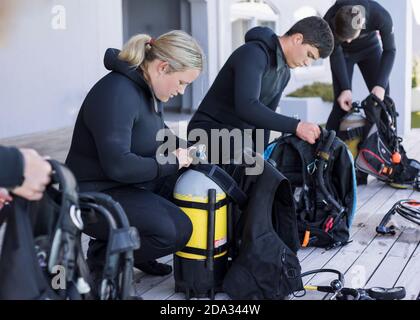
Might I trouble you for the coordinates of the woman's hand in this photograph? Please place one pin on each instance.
(184, 158)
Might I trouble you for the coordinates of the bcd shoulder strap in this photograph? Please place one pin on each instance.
(224, 181)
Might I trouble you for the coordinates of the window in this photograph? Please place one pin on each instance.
(416, 10)
(246, 14)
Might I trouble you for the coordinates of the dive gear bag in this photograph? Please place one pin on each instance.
(41, 256)
(117, 274)
(264, 265)
(323, 180)
(381, 153)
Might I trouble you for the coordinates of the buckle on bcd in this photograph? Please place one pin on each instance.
(311, 168)
(416, 183)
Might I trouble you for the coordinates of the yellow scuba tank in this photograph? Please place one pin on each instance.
(200, 267)
(351, 130)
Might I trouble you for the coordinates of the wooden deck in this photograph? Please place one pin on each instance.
(370, 260)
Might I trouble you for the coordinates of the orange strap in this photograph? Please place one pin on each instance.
(386, 171)
(306, 239)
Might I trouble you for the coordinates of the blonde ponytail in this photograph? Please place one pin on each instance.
(134, 51)
(176, 47)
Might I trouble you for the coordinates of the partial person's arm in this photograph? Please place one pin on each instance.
(386, 31)
(339, 68)
(11, 167)
(24, 172)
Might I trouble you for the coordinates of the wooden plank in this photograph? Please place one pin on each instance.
(181, 296)
(303, 253)
(364, 194)
(320, 256)
(367, 195)
(374, 260)
(144, 283)
(162, 291)
(165, 291)
(410, 277)
(388, 272)
(138, 274)
(348, 255)
(367, 263)
(367, 192)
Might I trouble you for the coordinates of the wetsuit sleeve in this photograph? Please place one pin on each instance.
(110, 122)
(11, 167)
(249, 67)
(180, 143)
(386, 31)
(338, 67)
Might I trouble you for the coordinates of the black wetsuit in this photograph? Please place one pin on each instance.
(113, 150)
(375, 62)
(247, 90)
(11, 167)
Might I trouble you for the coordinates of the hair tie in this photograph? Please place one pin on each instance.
(151, 42)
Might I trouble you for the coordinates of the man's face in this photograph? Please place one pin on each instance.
(300, 54)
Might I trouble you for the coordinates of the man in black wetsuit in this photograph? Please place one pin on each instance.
(247, 90)
(357, 26)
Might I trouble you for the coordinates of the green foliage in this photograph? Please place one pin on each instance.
(415, 120)
(317, 89)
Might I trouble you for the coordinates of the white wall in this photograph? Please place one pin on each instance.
(303, 76)
(416, 27)
(416, 38)
(46, 72)
(285, 11)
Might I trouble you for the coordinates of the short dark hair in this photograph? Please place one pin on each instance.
(344, 20)
(316, 32)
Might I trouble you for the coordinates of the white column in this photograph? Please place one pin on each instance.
(200, 31)
(400, 81)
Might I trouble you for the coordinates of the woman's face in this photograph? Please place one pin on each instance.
(166, 84)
